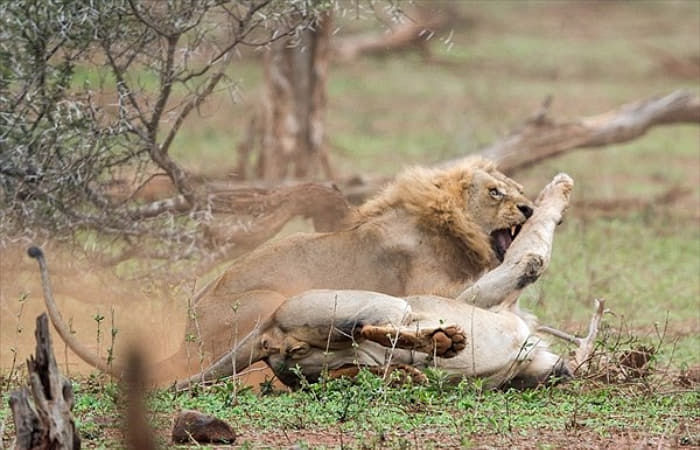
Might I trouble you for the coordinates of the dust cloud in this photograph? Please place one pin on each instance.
(143, 311)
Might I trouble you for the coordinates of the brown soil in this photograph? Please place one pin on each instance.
(686, 436)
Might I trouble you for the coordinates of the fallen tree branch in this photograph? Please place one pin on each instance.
(542, 137)
(529, 254)
(244, 218)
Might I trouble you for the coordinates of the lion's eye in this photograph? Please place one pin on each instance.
(495, 193)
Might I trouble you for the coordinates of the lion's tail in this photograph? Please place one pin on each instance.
(61, 327)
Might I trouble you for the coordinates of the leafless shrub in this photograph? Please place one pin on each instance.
(89, 90)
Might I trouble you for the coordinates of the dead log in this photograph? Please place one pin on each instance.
(244, 218)
(542, 137)
(42, 410)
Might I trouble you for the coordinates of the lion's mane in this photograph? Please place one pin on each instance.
(436, 197)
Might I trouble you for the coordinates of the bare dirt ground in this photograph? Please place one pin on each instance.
(574, 438)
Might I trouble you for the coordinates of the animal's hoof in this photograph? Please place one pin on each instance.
(449, 341)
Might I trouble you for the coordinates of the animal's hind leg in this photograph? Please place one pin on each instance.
(444, 342)
(585, 345)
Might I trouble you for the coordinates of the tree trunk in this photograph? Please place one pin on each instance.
(41, 411)
(294, 105)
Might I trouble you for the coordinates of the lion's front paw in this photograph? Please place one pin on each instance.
(449, 341)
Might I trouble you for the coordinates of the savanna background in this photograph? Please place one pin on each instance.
(631, 236)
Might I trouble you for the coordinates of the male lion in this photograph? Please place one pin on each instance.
(431, 231)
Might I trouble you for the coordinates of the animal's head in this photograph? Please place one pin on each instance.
(497, 205)
(284, 354)
(473, 202)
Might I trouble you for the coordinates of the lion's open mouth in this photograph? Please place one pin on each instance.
(501, 240)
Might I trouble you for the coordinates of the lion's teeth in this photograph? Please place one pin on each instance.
(513, 230)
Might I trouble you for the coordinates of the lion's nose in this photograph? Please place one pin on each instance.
(526, 210)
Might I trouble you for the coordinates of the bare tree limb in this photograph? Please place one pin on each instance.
(192, 104)
(269, 211)
(543, 137)
(244, 218)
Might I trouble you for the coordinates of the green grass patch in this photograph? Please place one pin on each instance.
(367, 407)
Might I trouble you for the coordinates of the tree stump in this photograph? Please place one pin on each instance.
(42, 410)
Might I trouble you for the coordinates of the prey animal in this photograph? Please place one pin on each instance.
(339, 331)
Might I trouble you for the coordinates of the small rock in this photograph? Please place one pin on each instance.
(190, 424)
